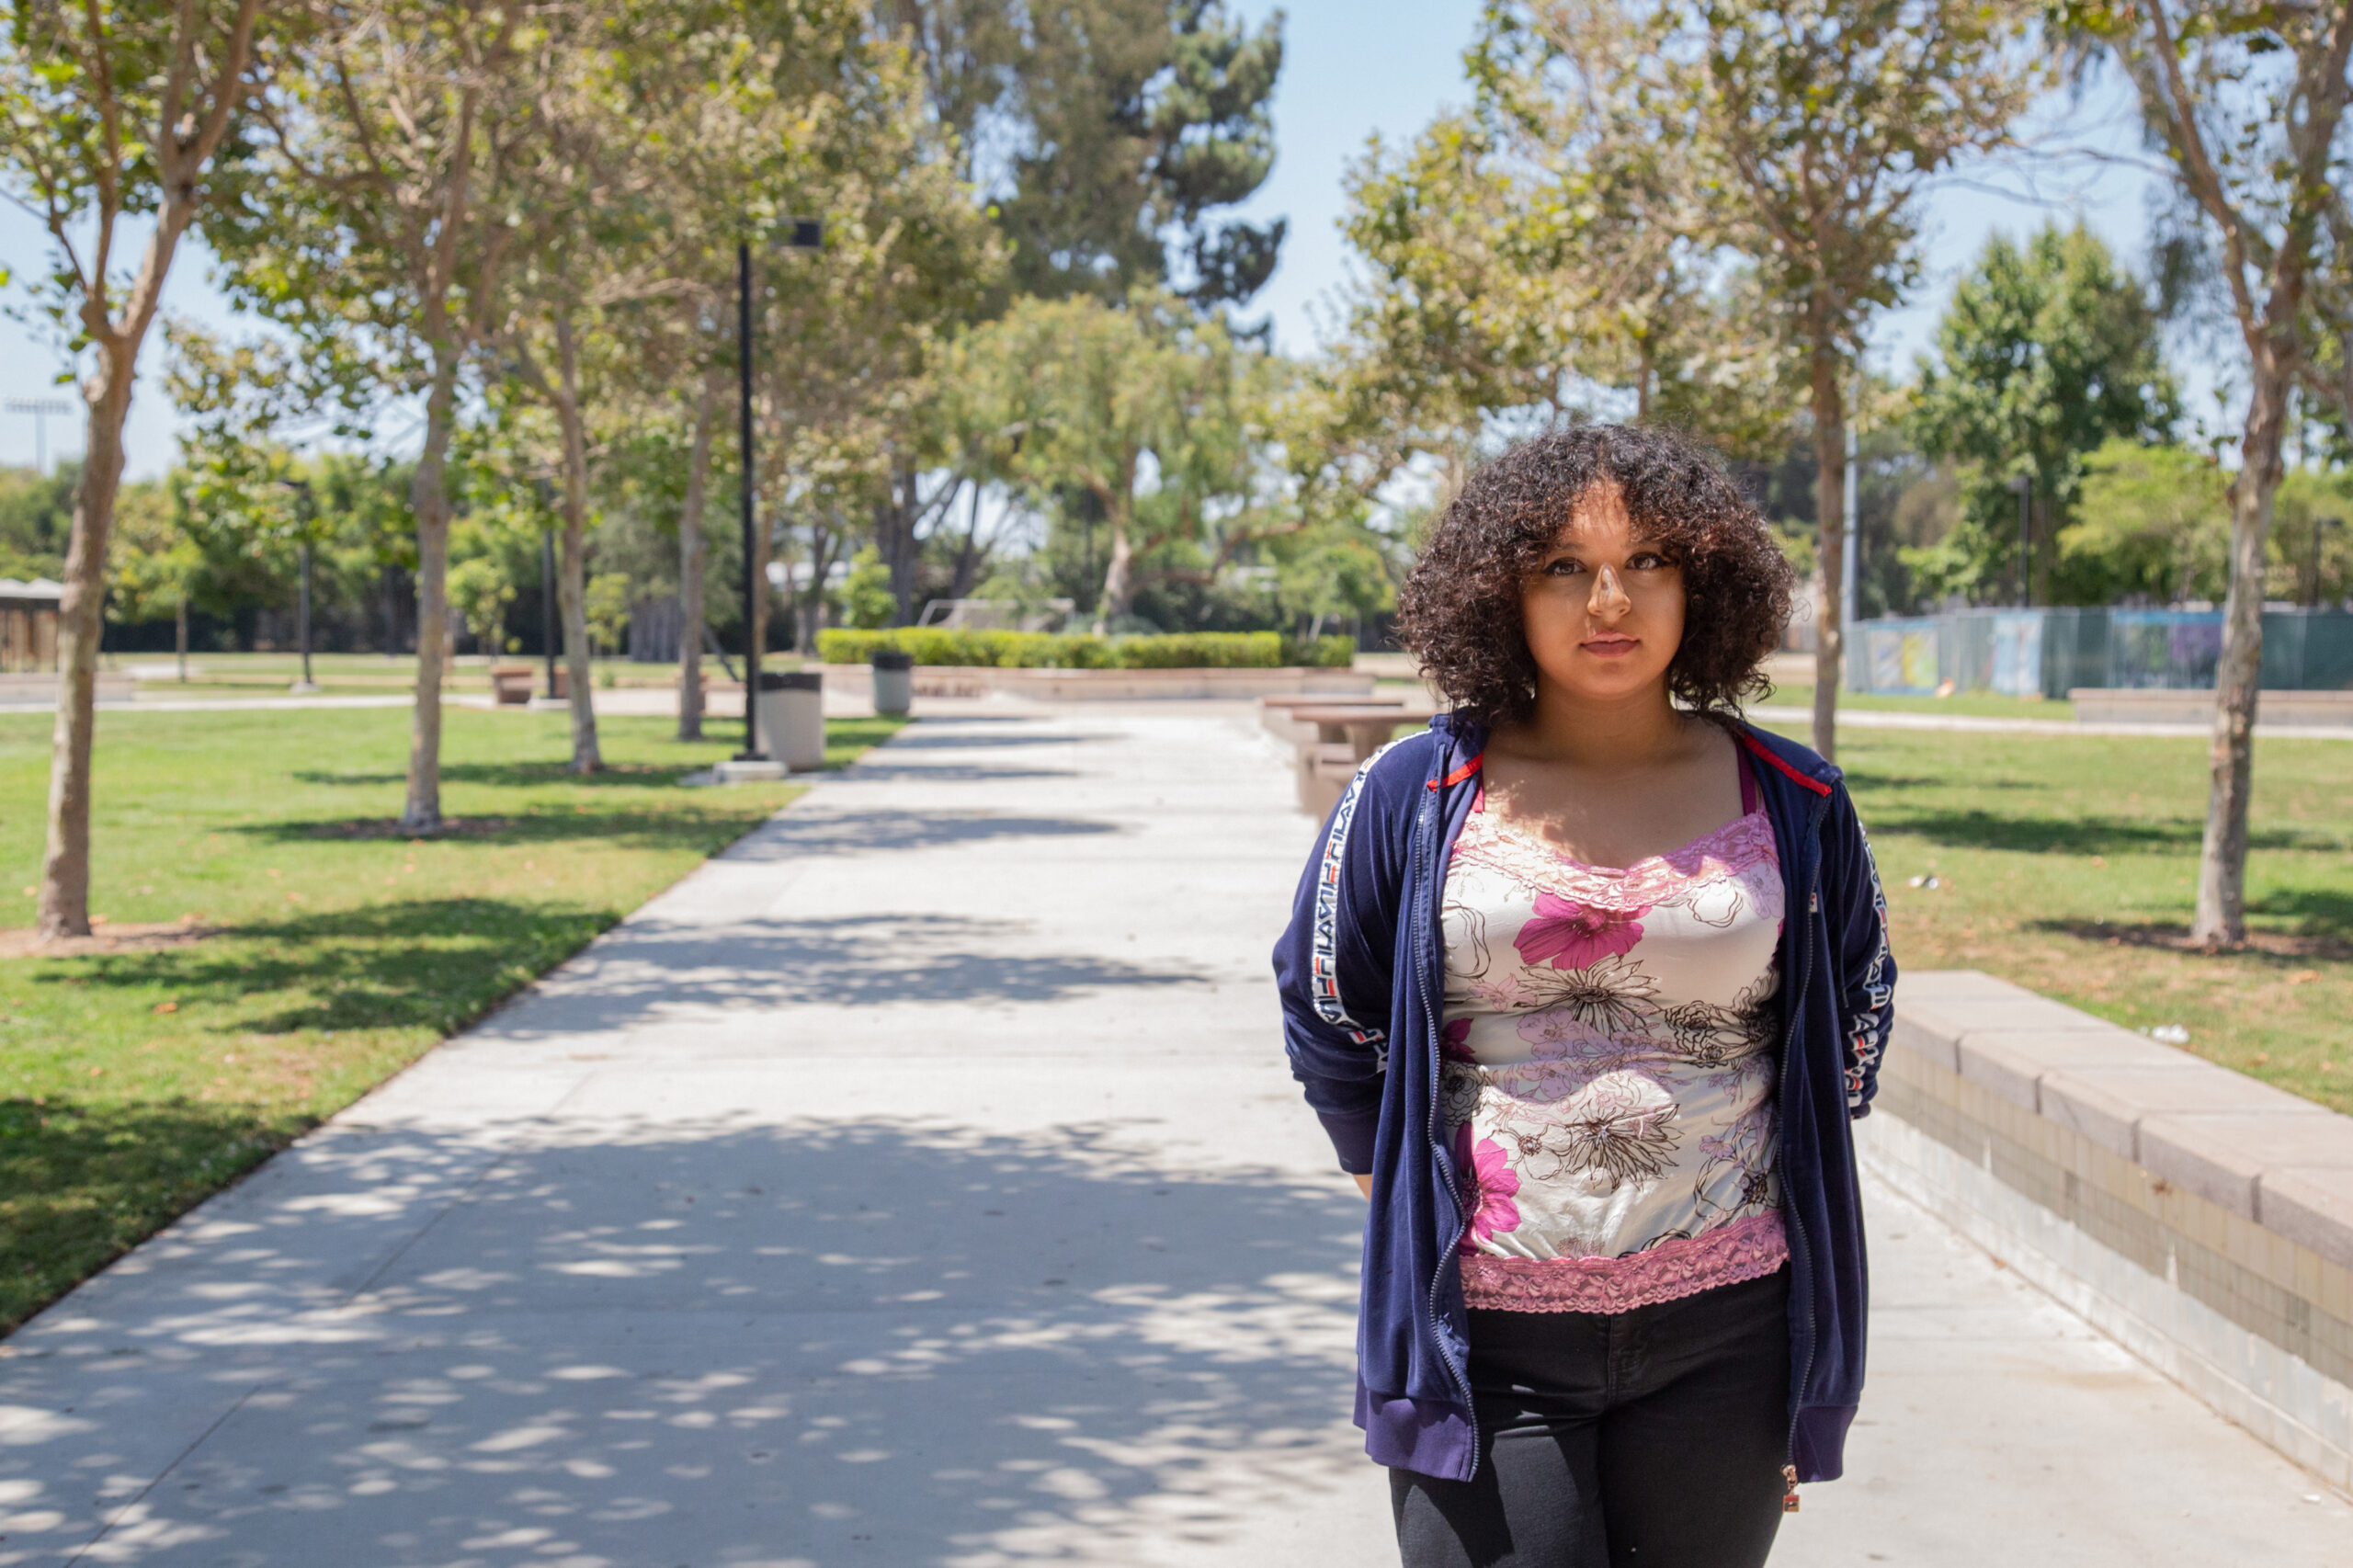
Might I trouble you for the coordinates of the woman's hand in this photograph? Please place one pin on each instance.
(1364, 1184)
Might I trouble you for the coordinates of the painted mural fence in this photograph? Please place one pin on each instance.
(2049, 652)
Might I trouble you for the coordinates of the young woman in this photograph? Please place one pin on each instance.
(1585, 983)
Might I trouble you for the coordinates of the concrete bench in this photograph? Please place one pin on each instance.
(2299, 710)
(511, 686)
(2199, 1216)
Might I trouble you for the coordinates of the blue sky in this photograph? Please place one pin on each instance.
(1352, 68)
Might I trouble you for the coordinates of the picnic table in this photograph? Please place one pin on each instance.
(1363, 727)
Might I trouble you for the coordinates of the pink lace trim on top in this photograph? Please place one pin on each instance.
(1740, 844)
(1745, 1249)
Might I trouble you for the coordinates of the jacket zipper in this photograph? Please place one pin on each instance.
(1797, 1220)
(1430, 1136)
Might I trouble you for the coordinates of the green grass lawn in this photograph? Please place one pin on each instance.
(216, 675)
(1976, 704)
(331, 951)
(2069, 865)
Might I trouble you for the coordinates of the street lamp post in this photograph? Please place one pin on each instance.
(2024, 484)
(547, 587)
(804, 234)
(2318, 524)
(40, 408)
(301, 488)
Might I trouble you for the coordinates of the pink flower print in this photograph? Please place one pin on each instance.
(1577, 936)
(1488, 1183)
(1454, 1041)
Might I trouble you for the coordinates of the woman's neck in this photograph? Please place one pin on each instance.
(1623, 734)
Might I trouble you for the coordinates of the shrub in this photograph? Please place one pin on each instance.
(1046, 649)
(1336, 652)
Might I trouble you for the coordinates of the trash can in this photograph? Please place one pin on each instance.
(792, 718)
(894, 682)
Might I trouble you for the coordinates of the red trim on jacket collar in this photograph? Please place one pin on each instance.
(1465, 771)
(1770, 755)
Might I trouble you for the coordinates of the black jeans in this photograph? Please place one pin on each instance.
(1653, 1438)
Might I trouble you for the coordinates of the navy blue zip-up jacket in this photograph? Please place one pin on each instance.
(1361, 972)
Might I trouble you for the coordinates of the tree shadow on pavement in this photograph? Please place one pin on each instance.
(842, 961)
(704, 1341)
(951, 735)
(866, 830)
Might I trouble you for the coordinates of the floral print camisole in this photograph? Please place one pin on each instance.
(1609, 1057)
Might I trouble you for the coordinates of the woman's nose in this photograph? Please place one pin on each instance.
(1608, 595)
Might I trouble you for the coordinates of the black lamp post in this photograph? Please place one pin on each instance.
(802, 233)
(301, 488)
(2024, 484)
(547, 586)
(2319, 524)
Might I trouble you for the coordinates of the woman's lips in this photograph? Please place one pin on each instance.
(1609, 647)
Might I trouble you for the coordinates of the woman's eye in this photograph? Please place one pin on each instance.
(1563, 568)
(1648, 560)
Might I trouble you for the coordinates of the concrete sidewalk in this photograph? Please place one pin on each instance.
(919, 1183)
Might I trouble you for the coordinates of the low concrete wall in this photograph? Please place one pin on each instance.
(1106, 686)
(2201, 1217)
(2110, 705)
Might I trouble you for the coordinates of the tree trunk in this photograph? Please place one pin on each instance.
(970, 557)
(2221, 918)
(1119, 576)
(572, 572)
(1830, 509)
(179, 636)
(692, 553)
(428, 494)
(65, 905)
(812, 603)
(894, 537)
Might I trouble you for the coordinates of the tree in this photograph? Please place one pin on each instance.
(1531, 260)
(1812, 127)
(376, 232)
(651, 111)
(850, 339)
(480, 592)
(2153, 521)
(1146, 414)
(1110, 131)
(2247, 102)
(2047, 350)
(114, 111)
(607, 606)
(153, 564)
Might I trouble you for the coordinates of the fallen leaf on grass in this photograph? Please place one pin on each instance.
(2303, 977)
(164, 1007)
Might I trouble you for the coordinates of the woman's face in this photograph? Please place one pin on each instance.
(1604, 607)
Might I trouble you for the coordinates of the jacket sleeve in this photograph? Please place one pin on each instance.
(1333, 965)
(1865, 971)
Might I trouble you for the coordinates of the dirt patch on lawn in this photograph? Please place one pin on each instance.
(127, 938)
(2176, 940)
(367, 828)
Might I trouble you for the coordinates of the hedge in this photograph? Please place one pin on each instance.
(1052, 650)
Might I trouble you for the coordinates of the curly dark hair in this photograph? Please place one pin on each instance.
(1459, 609)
